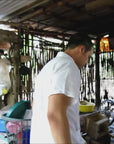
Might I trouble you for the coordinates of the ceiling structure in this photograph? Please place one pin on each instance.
(59, 18)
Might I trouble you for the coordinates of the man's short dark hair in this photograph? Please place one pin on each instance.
(80, 39)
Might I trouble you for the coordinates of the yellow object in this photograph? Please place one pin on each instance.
(5, 91)
(85, 106)
(104, 45)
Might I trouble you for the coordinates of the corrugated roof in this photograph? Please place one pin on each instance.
(60, 18)
(10, 6)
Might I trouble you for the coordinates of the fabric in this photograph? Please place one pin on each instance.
(60, 75)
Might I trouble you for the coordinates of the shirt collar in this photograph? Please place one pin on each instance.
(63, 54)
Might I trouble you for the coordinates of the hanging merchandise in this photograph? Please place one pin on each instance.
(104, 45)
(5, 82)
(24, 70)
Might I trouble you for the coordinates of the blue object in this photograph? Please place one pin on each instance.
(2, 126)
(18, 109)
(26, 136)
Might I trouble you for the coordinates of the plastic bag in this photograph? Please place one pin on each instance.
(5, 82)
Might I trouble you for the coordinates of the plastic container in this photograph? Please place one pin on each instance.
(17, 130)
(86, 106)
(18, 110)
(2, 126)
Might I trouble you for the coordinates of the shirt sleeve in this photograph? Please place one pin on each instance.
(65, 81)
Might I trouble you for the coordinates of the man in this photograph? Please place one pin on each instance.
(56, 99)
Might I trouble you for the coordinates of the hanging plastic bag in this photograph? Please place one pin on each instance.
(5, 82)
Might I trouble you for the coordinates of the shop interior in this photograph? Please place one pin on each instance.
(31, 34)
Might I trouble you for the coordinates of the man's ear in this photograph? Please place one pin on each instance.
(82, 49)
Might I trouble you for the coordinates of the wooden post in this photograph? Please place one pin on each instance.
(97, 84)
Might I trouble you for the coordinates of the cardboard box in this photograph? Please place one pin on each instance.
(97, 125)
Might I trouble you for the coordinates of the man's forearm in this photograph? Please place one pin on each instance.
(60, 129)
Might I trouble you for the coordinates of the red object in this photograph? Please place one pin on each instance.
(19, 137)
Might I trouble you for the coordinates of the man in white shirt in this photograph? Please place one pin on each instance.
(56, 99)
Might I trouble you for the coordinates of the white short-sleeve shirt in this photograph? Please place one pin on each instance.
(60, 75)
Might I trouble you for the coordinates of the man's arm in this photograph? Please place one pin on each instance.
(57, 107)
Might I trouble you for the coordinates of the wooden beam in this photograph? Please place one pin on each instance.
(47, 9)
(32, 15)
